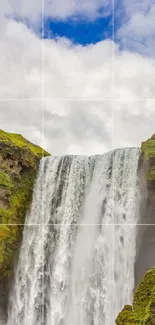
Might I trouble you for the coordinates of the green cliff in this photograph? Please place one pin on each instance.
(148, 160)
(143, 310)
(19, 160)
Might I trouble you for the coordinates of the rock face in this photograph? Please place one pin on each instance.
(143, 310)
(19, 160)
(145, 258)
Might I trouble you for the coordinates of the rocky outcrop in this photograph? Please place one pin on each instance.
(143, 310)
(19, 160)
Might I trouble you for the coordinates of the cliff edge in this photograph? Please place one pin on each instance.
(143, 310)
(19, 160)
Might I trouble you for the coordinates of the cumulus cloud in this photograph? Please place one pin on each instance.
(133, 122)
(74, 99)
(135, 18)
(132, 6)
(137, 31)
(134, 76)
(78, 127)
(33, 10)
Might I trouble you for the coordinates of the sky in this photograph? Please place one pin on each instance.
(78, 78)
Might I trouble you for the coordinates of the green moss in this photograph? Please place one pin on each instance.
(9, 245)
(145, 296)
(19, 141)
(151, 174)
(148, 147)
(143, 312)
(19, 200)
(19, 162)
(148, 157)
(14, 215)
(123, 317)
(5, 180)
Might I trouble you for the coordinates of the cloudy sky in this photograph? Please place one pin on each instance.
(78, 76)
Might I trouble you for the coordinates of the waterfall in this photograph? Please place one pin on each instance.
(76, 263)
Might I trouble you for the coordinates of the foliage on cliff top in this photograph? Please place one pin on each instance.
(148, 147)
(19, 160)
(143, 311)
(148, 154)
(15, 147)
(19, 141)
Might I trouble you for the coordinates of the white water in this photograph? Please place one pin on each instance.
(76, 264)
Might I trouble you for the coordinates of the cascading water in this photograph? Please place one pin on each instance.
(76, 264)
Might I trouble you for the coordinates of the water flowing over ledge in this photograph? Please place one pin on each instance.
(76, 264)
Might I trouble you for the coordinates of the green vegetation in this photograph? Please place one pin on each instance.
(148, 148)
(5, 180)
(19, 141)
(123, 317)
(19, 161)
(148, 156)
(143, 311)
(19, 150)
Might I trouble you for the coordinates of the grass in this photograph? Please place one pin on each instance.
(19, 141)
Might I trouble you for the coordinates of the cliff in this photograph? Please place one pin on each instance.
(19, 161)
(143, 310)
(148, 158)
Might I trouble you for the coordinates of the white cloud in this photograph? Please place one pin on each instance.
(32, 10)
(134, 122)
(78, 127)
(136, 18)
(131, 6)
(83, 110)
(134, 76)
(142, 24)
(21, 62)
(93, 122)
(137, 31)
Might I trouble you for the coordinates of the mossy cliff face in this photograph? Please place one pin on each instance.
(19, 160)
(148, 159)
(143, 310)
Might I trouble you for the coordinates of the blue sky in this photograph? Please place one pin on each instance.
(90, 21)
(80, 31)
(134, 28)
